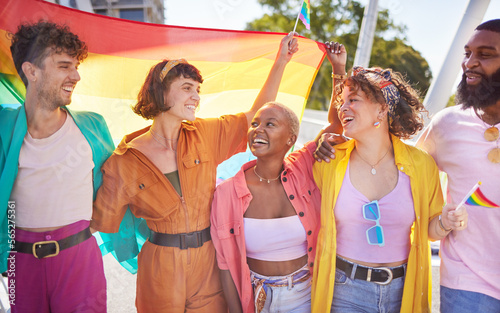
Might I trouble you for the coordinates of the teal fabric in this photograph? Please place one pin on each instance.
(13, 128)
(127, 242)
(12, 125)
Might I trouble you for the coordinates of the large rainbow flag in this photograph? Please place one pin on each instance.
(234, 64)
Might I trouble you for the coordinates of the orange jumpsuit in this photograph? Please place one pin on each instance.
(170, 279)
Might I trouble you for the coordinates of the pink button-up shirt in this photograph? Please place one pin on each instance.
(231, 200)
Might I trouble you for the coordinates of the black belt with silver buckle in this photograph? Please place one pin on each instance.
(51, 248)
(183, 241)
(378, 275)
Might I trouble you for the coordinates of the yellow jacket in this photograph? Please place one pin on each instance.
(428, 203)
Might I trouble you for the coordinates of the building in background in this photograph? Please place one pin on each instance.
(149, 11)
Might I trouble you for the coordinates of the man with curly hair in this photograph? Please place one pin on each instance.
(50, 160)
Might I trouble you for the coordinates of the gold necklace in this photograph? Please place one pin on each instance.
(373, 170)
(262, 178)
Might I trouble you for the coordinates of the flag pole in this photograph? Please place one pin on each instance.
(297, 20)
(469, 194)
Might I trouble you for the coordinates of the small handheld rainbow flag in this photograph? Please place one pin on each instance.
(304, 15)
(476, 197)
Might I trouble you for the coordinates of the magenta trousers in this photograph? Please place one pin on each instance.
(72, 281)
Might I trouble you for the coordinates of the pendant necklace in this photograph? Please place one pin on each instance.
(373, 170)
(491, 134)
(263, 179)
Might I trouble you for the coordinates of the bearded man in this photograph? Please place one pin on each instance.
(464, 141)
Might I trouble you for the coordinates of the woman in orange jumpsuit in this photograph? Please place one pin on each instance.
(165, 174)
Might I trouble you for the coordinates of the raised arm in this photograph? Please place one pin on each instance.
(337, 55)
(288, 46)
(332, 134)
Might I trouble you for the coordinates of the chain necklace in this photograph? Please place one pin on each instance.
(169, 139)
(373, 170)
(262, 178)
(158, 141)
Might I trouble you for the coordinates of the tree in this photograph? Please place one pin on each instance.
(340, 20)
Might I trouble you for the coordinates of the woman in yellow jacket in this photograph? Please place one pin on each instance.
(381, 199)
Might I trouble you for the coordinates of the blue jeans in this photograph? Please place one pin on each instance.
(355, 295)
(296, 297)
(462, 301)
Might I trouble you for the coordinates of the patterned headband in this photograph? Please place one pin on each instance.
(170, 64)
(382, 78)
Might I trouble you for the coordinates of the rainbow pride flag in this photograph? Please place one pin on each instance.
(305, 13)
(479, 199)
(234, 64)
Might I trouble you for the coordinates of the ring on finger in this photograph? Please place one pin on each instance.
(461, 223)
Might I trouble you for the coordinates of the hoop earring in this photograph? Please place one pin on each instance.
(377, 124)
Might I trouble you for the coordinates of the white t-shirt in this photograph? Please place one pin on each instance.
(470, 258)
(54, 181)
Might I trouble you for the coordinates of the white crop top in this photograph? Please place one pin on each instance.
(54, 180)
(276, 239)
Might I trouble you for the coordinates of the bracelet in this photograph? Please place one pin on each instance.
(339, 77)
(442, 226)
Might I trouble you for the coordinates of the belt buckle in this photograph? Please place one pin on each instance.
(389, 273)
(190, 240)
(44, 243)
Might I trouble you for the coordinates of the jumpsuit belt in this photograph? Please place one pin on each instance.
(183, 241)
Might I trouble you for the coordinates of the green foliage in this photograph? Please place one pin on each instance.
(402, 58)
(340, 20)
(451, 101)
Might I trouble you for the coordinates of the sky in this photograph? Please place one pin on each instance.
(431, 24)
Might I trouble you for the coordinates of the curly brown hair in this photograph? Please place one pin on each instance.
(150, 100)
(407, 118)
(34, 42)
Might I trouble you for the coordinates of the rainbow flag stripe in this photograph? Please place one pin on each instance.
(234, 64)
(479, 199)
(305, 13)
